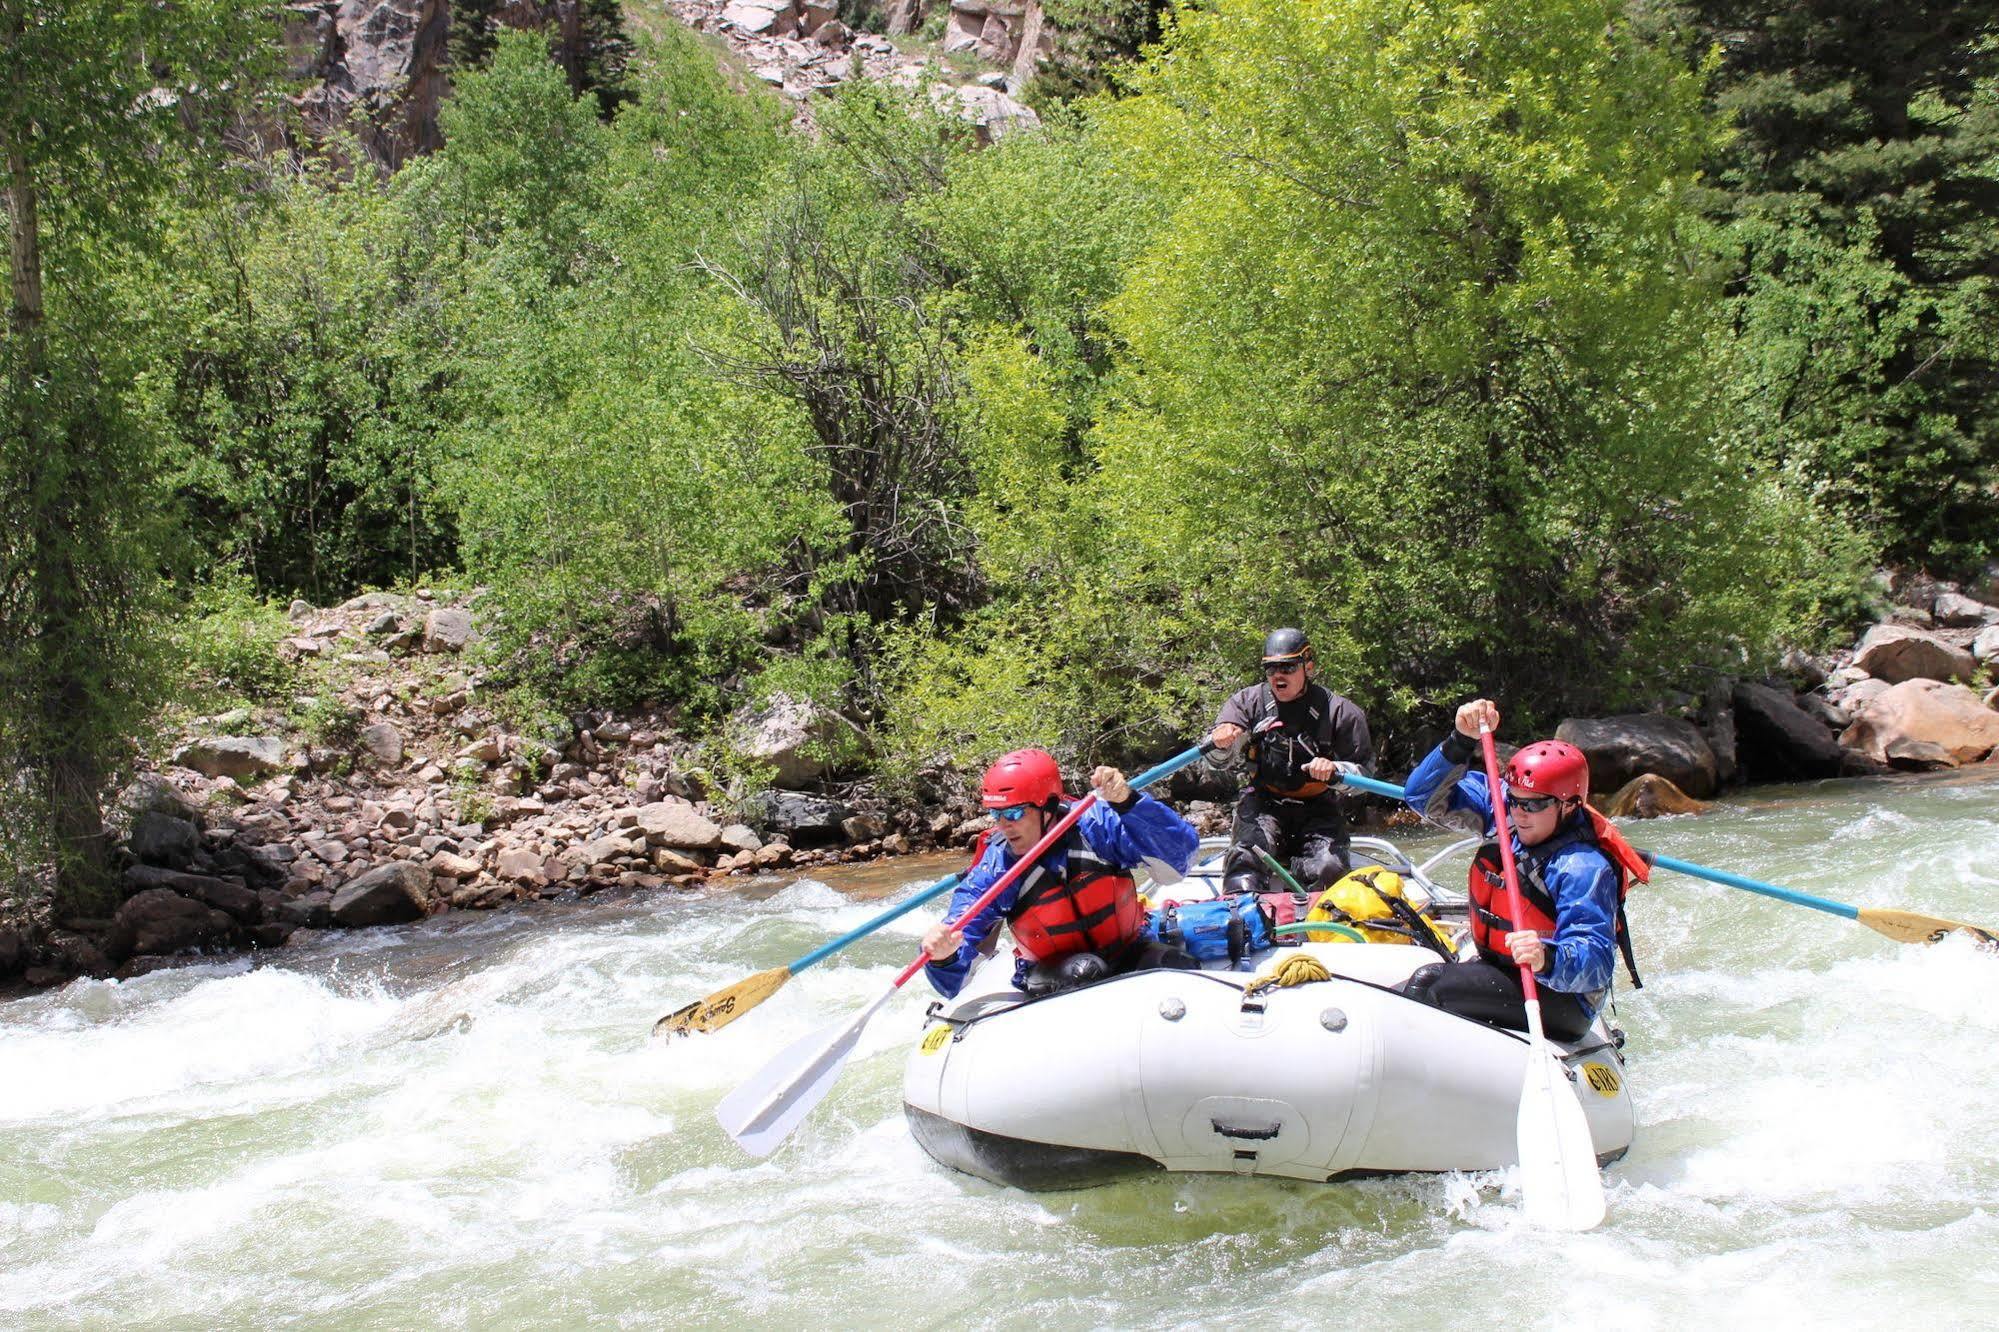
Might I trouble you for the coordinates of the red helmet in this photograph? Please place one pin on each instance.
(1024, 777)
(1549, 767)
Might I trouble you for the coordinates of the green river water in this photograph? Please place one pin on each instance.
(464, 1124)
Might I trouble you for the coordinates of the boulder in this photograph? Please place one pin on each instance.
(862, 828)
(1896, 652)
(238, 756)
(1780, 741)
(162, 839)
(521, 865)
(677, 824)
(1956, 610)
(160, 920)
(773, 19)
(803, 820)
(387, 895)
(309, 911)
(793, 735)
(1621, 748)
(232, 896)
(1925, 724)
(1985, 647)
(741, 837)
(447, 630)
(151, 793)
(1854, 697)
(384, 742)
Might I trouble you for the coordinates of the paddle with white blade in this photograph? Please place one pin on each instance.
(764, 1111)
(1559, 1184)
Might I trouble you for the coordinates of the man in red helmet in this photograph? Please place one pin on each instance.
(1574, 871)
(1297, 737)
(1075, 915)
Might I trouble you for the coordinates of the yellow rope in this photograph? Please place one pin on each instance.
(1297, 969)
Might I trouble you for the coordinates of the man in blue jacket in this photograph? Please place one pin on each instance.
(1574, 869)
(1075, 915)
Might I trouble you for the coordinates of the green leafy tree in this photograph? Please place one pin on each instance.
(1856, 209)
(105, 106)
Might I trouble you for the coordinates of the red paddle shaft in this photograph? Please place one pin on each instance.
(1506, 850)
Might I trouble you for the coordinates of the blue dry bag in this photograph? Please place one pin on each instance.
(1230, 927)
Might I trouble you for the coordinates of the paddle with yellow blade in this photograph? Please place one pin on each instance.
(761, 1113)
(1901, 926)
(732, 1001)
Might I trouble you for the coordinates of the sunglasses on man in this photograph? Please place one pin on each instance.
(1281, 667)
(1012, 813)
(1526, 804)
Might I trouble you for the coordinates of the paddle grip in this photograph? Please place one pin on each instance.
(1048, 839)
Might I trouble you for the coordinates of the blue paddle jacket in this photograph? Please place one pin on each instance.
(1583, 953)
(1143, 828)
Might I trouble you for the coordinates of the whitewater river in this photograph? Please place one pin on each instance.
(464, 1124)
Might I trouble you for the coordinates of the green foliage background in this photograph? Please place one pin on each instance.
(1545, 349)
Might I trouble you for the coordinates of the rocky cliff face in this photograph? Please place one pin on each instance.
(380, 66)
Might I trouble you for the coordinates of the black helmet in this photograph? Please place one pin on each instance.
(1283, 645)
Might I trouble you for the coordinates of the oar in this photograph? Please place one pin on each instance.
(1559, 1184)
(762, 1112)
(1901, 926)
(732, 1001)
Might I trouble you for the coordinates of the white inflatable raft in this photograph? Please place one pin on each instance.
(1181, 1070)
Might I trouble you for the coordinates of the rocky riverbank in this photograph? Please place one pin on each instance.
(396, 789)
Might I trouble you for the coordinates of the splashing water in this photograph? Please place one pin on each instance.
(464, 1124)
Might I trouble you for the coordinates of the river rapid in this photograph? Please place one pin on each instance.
(463, 1123)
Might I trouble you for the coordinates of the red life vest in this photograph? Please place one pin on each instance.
(1490, 923)
(1093, 908)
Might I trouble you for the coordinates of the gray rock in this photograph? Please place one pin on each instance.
(160, 920)
(385, 623)
(803, 820)
(793, 735)
(1779, 740)
(1621, 748)
(162, 839)
(383, 741)
(229, 895)
(1985, 647)
(447, 630)
(1804, 668)
(312, 911)
(1896, 652)
(862, 828)
(677, 824)
(609, 847)
(741, 837)
(237, 756)
(386, 895)
(150, 792)
(1719, 729)
(1959, 611)
(298, 610)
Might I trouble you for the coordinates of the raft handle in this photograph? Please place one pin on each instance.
(1262, 1134)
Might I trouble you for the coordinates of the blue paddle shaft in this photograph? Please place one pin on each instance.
(1755, 886)
(945, 885)
(1688, 867)
(824, 951)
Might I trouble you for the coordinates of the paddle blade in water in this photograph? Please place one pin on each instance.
(1914, 927)
(724, 1006)
(1560, 1187)
(762, 1112)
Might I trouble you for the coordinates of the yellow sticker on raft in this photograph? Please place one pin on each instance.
(936, 1039)
(1603, 1079)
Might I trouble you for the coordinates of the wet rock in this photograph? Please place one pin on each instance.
(387, 895)
(1780, 741)
(162, 839)
(238, 756)
(1894, 653)
(313, 910)
(233, 896)
(1925, 724)
(1649, 796)
(160, 920)
(1621, 748)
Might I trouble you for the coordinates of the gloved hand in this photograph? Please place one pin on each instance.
(1346, 769)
